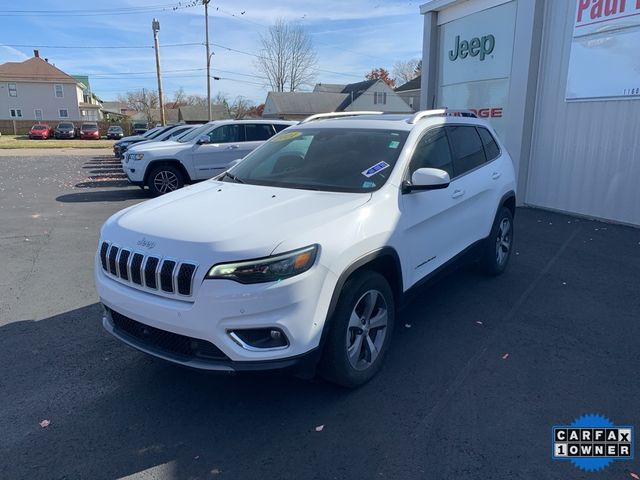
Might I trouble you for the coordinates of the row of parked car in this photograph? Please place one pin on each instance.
(86, 131)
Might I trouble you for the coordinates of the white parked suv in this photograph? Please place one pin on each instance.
(300, 254)
(198, 155)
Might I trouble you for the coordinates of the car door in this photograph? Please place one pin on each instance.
(473, 190)
(210, 159)
(429, 222)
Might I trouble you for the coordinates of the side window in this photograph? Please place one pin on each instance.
(433, 151)
(491, 148)
(256, 132)
(467, 148)
(279, 127)
(225, 134)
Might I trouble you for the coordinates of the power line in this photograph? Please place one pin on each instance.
(115, 47)
(97, 12)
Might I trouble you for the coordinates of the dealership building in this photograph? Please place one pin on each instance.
(560, 82)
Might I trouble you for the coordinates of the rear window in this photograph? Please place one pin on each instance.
(467, 148)
(39, 127)
(114, 129)
(258, 131)
(89, 126)
(65, 125)
(491, 148)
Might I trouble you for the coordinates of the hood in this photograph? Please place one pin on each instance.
(220, 221)
(152, 145)
(132, 138)
(65, 129)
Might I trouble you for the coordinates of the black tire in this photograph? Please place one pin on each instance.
(164, 179)
(335, 364)
(492, 261)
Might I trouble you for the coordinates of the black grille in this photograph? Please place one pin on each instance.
(173, 343)
(184, 278)
(103, 254)
(136, 263)
(150, 272)
(166, 275)
(113, 253)
(122, 264)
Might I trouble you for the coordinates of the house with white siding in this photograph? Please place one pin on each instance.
(37, 90)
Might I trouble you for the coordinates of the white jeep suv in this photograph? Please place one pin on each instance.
(300, 254)
(198, 155)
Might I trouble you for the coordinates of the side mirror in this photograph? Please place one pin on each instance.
(203, 140)
(426, 179)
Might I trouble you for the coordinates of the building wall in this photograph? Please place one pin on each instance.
(411, 98)
(365, 102)
(34, 95)
(585, 156)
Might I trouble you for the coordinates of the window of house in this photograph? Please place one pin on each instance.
(467, 147)
(63, 113)
(433, 151)
(13, 90)
(380, 98)
(15, 113)
(59, 90)
(258, 131)
(38, 114)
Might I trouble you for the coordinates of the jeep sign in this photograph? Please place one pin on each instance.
(474, 47)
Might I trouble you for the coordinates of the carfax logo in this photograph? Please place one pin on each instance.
(592, 442)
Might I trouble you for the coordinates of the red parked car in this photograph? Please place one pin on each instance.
(89, 131)
(41, 131)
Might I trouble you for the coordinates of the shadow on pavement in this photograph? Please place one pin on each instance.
(131, 193)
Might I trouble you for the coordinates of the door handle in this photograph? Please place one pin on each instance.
(496, 175)
(232, 147)
(457, 193)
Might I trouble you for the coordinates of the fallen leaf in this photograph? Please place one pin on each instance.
(479, 322)
(45, 423)
(319, 428)
(196, 457)
(216, 471)
(634, 475)
(564, 283)
(505, 356)
(407, 325)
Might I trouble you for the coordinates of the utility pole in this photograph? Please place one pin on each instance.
(155, 26)
(206, 27)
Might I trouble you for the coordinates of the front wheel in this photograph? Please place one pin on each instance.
(499, 245)
(360, 330)
(164, 179)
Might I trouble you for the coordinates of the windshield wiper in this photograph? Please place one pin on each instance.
(232, 177)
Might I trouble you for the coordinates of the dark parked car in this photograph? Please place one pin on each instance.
(121, 145)
(139, 128)
(65, 130)
(41, 131)
(89, 131)
(115, 132)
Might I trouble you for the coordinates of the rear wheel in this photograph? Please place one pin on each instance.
(499, 245)
(360, 330)
(164, 179)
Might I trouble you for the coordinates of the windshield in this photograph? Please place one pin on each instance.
(150, 133)
(65, 125)
(177, 136)
(39, 127)
(330, 159)
(115, 129)
(194, 134)
(90, 126)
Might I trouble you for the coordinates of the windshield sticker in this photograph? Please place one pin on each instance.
(394, 144)
(377, 168)
(368, 184)
(283, 137)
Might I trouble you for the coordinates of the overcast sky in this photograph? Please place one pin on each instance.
(350, 37)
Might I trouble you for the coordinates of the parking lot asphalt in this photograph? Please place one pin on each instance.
(479, 370)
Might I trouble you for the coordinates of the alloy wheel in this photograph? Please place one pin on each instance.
(165, 181)
(503, 241)
(367, 329)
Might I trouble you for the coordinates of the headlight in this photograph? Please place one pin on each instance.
(269, 269)
(136, 156)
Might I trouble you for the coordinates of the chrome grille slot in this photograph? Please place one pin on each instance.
(104, 248)
(166, 275)
(123, 263)
(150, 267)
(136, 265)
(185, 278)
(113, 254)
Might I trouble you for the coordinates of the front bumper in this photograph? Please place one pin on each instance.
(296, 306)
(134, 169)
(65, 135)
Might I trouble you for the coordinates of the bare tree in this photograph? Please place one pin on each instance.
(287, 58)
(144, 101)
(405, 70)
(240, 108)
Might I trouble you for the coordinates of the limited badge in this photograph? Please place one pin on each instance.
(592, 442)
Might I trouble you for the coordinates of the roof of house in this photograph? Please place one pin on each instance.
(410, 85)
(305, 103)
(329, 87)
(34, 69)
(354, 90)
(171, 115)
(199, 113)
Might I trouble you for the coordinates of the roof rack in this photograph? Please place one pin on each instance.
(326, 116)
(441, 112)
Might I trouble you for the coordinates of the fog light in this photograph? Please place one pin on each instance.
(257, 339)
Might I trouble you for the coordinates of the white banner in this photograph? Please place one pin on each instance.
(605, 57)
